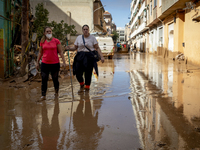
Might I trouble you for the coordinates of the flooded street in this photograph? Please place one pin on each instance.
(139, 101)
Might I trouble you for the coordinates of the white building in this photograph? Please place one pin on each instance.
(121, 32)
(138, 24)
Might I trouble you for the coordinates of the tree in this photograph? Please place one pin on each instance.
(24, 35)
(60, 30)
(115, 36)
(41, 20)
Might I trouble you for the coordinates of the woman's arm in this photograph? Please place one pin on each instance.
(96, 46)
(39, 57)
(71, 48)
(61, 54)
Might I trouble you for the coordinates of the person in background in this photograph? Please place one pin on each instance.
(118, 46)
(49, 49)
(84, 61)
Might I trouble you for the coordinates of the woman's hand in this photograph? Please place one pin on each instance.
(67, 48)
(37, 66)
(102, 59)
(64, 65)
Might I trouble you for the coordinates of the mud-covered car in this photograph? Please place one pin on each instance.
(106, 45)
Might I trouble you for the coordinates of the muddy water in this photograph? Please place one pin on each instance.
(139, 101)
(166, 103)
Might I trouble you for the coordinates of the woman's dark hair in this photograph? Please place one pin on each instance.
(85, 26)
(44, 37)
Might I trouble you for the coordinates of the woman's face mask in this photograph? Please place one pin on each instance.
(48, 36)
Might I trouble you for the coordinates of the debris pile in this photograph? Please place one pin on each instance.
(180, 57)
(17, 55)
(31, 70)
(71, 56)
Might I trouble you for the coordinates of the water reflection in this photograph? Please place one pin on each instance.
(85, 122)
(50, 130)
(166, 109)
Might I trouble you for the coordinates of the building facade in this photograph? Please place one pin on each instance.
(127, 32)
(121, 32)
(167, 28)
(8, 24)
(108, 20)
(138, 24)
(76, 12)
(98, 17)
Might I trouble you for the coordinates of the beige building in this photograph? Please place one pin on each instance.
(167, 28)
(173, 28)
(127, 33)
(99, 22)
(108, 20)
(76, 12)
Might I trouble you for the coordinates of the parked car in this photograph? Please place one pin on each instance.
(106, 45)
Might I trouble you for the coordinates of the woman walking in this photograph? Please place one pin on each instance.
(49, 49)
(84, 62)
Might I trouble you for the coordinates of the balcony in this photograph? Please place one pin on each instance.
(154, 13)
(167, 4)
(139, 12)
(140, 29)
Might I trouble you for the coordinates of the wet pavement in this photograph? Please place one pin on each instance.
(139, 101)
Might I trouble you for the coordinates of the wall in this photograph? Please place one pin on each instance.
(191, 37)
(58, 10)
(179, 33)
(1, 40)
(6, 54)
(166, 4)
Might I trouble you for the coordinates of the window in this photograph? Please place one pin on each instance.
(160, 3)
(155, 3)
(151, 8)
(160, 37)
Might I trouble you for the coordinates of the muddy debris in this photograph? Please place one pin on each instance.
(188, 71)
(197, 129)
(180, 57)
(161, 144)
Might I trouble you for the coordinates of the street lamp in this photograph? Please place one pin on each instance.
(98, 8)
(68, 35)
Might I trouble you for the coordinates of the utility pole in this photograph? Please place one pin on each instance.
(24, 35)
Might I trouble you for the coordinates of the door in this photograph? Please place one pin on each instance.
(171, 37)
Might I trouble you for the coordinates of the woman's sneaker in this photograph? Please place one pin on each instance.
(81, 90)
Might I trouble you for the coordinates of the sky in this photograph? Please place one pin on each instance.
(119, 9)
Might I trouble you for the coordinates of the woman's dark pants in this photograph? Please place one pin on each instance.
(87, 70)
(45, 70)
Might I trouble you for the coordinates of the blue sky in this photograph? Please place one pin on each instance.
(119, 9)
